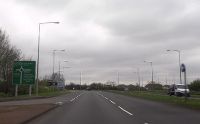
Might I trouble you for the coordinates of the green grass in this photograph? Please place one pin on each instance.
(40, 95)
(180, 101)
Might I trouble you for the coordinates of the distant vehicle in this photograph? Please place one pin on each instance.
(179, 90)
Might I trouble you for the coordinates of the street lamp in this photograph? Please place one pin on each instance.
(117, 78)
(151, 63)
(179, 58)
(38, 57)
(54, 52)
(63, 67)
(138, 74)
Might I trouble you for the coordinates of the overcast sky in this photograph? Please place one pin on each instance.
(104, 37)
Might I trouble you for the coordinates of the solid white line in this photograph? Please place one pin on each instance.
(112, 102)
(125, 110)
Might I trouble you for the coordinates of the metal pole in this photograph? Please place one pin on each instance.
(59, 71)
(117, 78)
(179, 57)
(151, 63)
(80, 79)
(185, 85)
(16, 90)
(142, 81)
(180, 65)
(138, 73)
(53, 60)
(30, 90)
(54, 53)
(152, 70)
(38, 59)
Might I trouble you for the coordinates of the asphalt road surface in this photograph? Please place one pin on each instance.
(96, 107)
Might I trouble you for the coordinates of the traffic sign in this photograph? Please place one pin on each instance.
(183, 69)
(24, 72)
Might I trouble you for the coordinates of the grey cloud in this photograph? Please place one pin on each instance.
(102, 37)
(45, 4)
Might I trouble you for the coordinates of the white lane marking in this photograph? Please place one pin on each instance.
(72, 99)
(76, 97)
(112, 102)
(59, 103)
(125, 110)
(118, 106)
(100, 95)
(146, 123)
(105, 97)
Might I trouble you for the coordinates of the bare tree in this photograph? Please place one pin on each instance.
(8, 54)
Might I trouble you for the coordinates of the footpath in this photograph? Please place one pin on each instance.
(22, 111)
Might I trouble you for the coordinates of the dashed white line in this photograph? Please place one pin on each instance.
(118, 106)
(72, 99)
(112, 102)
(125, 110)
(76, 97)
(59, 103)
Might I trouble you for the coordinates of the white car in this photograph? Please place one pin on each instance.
(179, 90)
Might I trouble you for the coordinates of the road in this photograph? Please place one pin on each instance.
(51, 100)
(96, 107)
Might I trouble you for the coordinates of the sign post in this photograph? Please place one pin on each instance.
(30, 90)
(183, 69)
(23, 73)
(16, 90)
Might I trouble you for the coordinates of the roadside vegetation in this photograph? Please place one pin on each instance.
(155, 96)
(9, 54)
(45, 91)
(152, 91)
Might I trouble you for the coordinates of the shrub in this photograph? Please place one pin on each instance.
(195, 85)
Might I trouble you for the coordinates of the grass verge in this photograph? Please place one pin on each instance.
(40, 95)
(180, 101)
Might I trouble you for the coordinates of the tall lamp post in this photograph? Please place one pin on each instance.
(179, 58)
(117, 78)
(80, 79)
(65, 67)
(54, 52)
(38, 57)
(138, 74)
(151, 63)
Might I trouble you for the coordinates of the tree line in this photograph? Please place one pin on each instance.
(8, 54)
(193, 86)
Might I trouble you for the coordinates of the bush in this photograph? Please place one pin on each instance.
(2, 94)
(195, 85)
(154, 86)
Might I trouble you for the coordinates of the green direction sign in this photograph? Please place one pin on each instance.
(24, 72)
